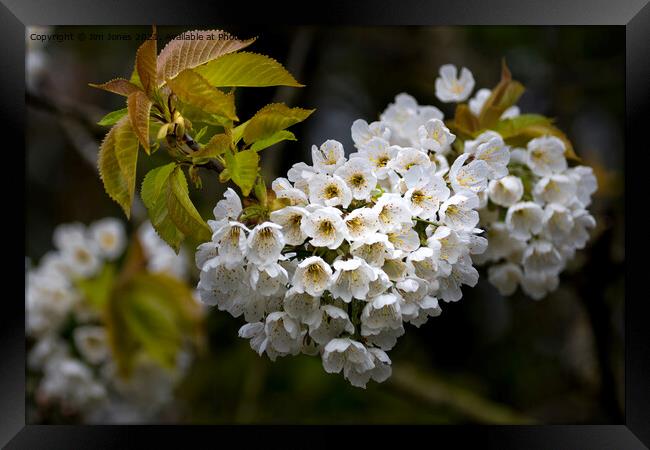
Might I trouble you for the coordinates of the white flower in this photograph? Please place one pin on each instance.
(380, 284)
(382, 312)
(450, 88)
(476, 103)
(301, 306)
(204, 252)
(405, 240)
(257, 335)
(524, 218)
(501, 243)
(538, 284)
(459, 211)
(328, 157)
(283, 333)
(586, 183)
(392, 212)
(446, 243)
(329, 191)
(92, 343)
(330, 323)
(283, 189)
(424, 198)
(395, 268)
(265, 243)
(71, 382)
(495, 153)
(268, 280)
(348, 355)
(385, 339)
(300, 172)
(380, 373)
(362, 132)
(69, 235)
(546, 155)
(312, 276)
(506, 191)
(582, 221)
(358, 175)
(228, 208)
(505, 277)
(461, 273)
(424, 261)
(223, 286)
(379, 153)
(79, 253)
(361, 222)
(411, 164)
(374, 248)
(413, 294)
(542, 256)
(558, 223)
(472, 177)
(325, 227)
(435, 136)
(397, 114)
(351, 279)
(290, 218)
(555, 189)
(109, 236)
(231, 243)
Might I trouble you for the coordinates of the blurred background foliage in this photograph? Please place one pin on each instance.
(487, 359)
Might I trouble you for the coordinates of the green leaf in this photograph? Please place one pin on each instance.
(193, 172)
(181, 210)
(117, 86)
(117, 161)
(508, 128)
(112, 117)
(282, 135)
(145, 62)
(165, 194)
(464, 124)
(271, 119)
(217, 146)
(246, 69)
(96, 291)
(153, 314)
(198, 137)
(518, 133)
(199, 116)
(503, 96)
(139, 107)
(243, 168)
(154, 193)
(261, 191)
(192, 88)
(238, 132)
(180, 54)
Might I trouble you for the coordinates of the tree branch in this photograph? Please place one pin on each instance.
(434, 391)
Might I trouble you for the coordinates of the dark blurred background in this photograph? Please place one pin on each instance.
(486, 359)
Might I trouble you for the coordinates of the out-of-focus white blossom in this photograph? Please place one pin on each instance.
(75, 366)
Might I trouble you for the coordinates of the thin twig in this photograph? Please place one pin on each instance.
(434, 391)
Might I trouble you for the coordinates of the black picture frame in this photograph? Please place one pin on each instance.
(634, 15)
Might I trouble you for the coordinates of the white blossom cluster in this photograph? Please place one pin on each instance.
(364, 243)
(536, 218)
(70, 351)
